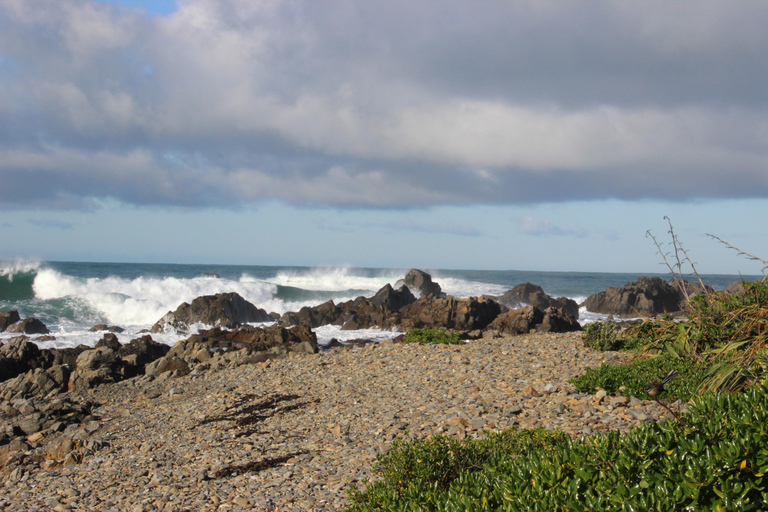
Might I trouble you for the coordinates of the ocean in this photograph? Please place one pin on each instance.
(72, 297)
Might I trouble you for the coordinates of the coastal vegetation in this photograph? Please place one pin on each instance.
(714, 456)
(433, 336)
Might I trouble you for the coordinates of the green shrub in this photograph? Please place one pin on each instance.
(635, 376)
(713, 458)
(602, 336)
(439, 336)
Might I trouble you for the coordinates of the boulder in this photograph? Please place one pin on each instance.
(176, 365)
(7, 319)
(518, 321)
(93, 368)
(557, 320)
(448, 312)
(220, 310)
(138, 353)
(19, 356)
(528, 294)
(422, 282)
(648, 296)
(110, 341)
(391, 299)
(28, 326)
(733, 288)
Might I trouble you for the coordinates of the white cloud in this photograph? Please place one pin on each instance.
(544, 227)
(384, 104)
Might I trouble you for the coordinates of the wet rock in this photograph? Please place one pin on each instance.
(28, 326)
(220, 310)
(648, 296)
(422, 282)
(7, 319)
(526, 294)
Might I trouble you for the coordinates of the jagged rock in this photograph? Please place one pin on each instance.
(647, 296)
(518, 321)
(220, 310)
(391, 299)
(64, 356)
(173, 364)
(7, 319)
(28, 326)
(557, 320)
(37, 382)
(259, 339)
(431, 311)
(94, 367)
(110, 341)
(419, 280)
(138, 353)
(528, 294)
(692, 288)
(19, 356)
(733, 288)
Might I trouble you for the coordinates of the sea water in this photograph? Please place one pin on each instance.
(71, 297)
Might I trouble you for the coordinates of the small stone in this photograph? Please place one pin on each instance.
(175, 391)
(531, 391)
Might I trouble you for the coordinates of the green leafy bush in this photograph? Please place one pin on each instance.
(713, 458)
(433, 336)
(602, 336)
(635, 376)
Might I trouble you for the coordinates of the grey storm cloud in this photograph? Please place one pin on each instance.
(381, 104)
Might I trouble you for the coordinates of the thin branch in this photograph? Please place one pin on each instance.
(749, 256)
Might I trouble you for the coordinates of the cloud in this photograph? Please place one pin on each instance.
(544, 227)
(50, 223)
(380, 104)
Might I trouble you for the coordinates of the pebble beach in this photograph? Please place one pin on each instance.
(293, 434)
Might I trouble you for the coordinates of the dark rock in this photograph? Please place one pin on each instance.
(110, 341)
(19, 356)
(173, 364)
(518, 321)
(95, 367)
(431, 311)
(391, 299)
(693, 288)
(528, 294)
(105, 327)
(28, 326)
(8, 318)
(64, 356)
(557, 320)
(648, 296)
(220, 310)
(419, 280)
(259, 339)
(137, 354)
(212, 275)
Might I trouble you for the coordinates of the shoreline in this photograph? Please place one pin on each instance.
(159, 444)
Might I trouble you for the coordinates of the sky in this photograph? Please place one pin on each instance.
(521, 135)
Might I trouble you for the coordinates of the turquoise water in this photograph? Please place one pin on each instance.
(70, 297)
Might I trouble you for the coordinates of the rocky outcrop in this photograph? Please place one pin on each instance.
(19, 356)
(648, 296)
(24, 417)
(220, 310)
(421, 282)
(391, 299)
(528, 294)
(28, 326)
(95, 367)
(449, 312)
(7, 319)
(530, 318)
(140, 352)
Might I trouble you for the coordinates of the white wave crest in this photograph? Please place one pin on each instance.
(144, 300)
(335, 279)
(11, 267)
